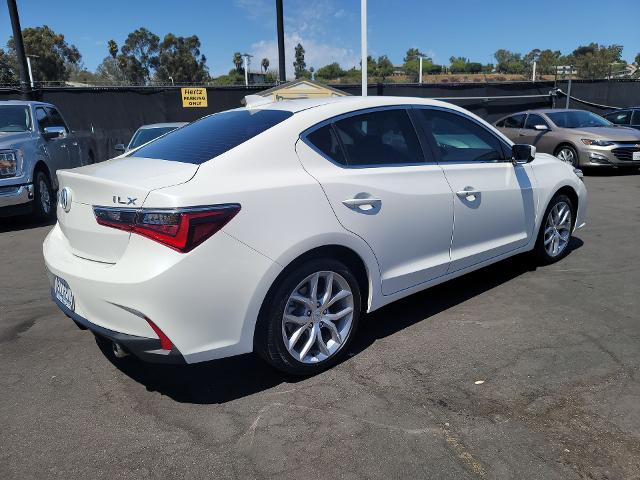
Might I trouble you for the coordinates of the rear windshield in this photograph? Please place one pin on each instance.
(211, 136)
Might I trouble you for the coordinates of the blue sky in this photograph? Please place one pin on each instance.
(330, 29)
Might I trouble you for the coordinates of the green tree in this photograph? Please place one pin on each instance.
(412, 63)
(637, 59)
(458, 64)
(180, 59)
(110, 73)
(413, 54)
(330, 72)
(385, 67)
(548, 61)
(265, 64)
(299, 66)
(8, 75)
(54, 54)
(112, 46)
(473, 67)
(139, 55)
(237, 61)
(595, 61)
(372, 66)
(508, 62)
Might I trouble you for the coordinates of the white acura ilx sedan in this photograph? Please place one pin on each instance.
(274, 227)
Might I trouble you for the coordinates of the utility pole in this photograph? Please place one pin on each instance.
(247, 62)
(19, 46)
(569, 86)
(533, 75)
(363, 42)
(420, 72)
(281, 64)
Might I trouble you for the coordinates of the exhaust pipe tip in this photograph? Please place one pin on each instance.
(118, 350)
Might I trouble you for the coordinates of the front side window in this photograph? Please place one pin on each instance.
(42, 119)
(15, 118)
(55, 119)
(514, 121)
(384, 137)
(459, 139)
(619, 118)
(211, 136)
(534, 119)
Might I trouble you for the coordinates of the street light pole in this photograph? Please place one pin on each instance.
(19, 47)
(281, 64)
(363, 42)
(420, 72)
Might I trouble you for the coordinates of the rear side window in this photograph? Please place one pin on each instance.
(636, 118)
(211, 136)
(514, 121)
(384, 137)
(326, 140)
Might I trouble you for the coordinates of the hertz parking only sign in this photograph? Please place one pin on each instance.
(194, 97)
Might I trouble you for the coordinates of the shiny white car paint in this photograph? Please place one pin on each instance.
(207, 301)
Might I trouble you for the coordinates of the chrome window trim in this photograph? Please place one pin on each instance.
(506, 148)
(330, 121)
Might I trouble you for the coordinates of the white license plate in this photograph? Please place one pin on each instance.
(636, 156)
(63, 293)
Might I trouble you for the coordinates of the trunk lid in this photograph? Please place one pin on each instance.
(122, 182)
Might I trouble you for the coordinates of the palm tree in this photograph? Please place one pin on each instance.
(265, 64)
(237, 60)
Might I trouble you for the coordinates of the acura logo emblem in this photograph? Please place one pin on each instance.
(65, 199)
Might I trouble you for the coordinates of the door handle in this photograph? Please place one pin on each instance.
(469, 193)
(75, 144)
(361, 203)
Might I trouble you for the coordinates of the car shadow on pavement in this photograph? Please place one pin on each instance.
(13, 224)
(220, 381)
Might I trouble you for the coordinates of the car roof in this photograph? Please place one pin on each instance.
(25, 102)
(350, 103)
(163, 125)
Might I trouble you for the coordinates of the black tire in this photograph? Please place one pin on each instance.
(268, 339)
(576, 160)
(541, 253)
(44, 199)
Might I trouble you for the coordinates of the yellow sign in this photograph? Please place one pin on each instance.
(194, 97)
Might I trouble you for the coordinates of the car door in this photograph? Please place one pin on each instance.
(56, 148)
(494, 205)
(373, 171)
(70, 140)
(537, 137)
(512, 125)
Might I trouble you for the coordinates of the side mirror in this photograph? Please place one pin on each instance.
(521, 153)
(541, 128)
(119, 147)
(49, 133)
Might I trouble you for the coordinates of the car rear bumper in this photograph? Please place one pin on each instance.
(147, 349)
(205, 301)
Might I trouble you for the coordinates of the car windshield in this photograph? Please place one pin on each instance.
(578, 119)
(15, 118)
(144, 135)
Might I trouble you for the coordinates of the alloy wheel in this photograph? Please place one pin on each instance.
(566, 155)
(557, 229)
(318, 317)
(45, 196)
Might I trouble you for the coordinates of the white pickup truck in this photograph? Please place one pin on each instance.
(36, 142)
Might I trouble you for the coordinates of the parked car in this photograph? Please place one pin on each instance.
(627, 117)
(272, 228)
(146, 133)
(35, 142)
(577, 137)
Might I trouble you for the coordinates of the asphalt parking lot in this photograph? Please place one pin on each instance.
(510, 372)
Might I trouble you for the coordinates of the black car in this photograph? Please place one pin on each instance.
(629, 117)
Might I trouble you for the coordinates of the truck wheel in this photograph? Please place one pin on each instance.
(44, 199)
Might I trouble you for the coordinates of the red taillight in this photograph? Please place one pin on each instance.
(181, 229)
(165, 343)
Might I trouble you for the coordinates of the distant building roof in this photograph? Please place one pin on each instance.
(301, 88)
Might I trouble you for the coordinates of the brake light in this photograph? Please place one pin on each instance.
(181, 229)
